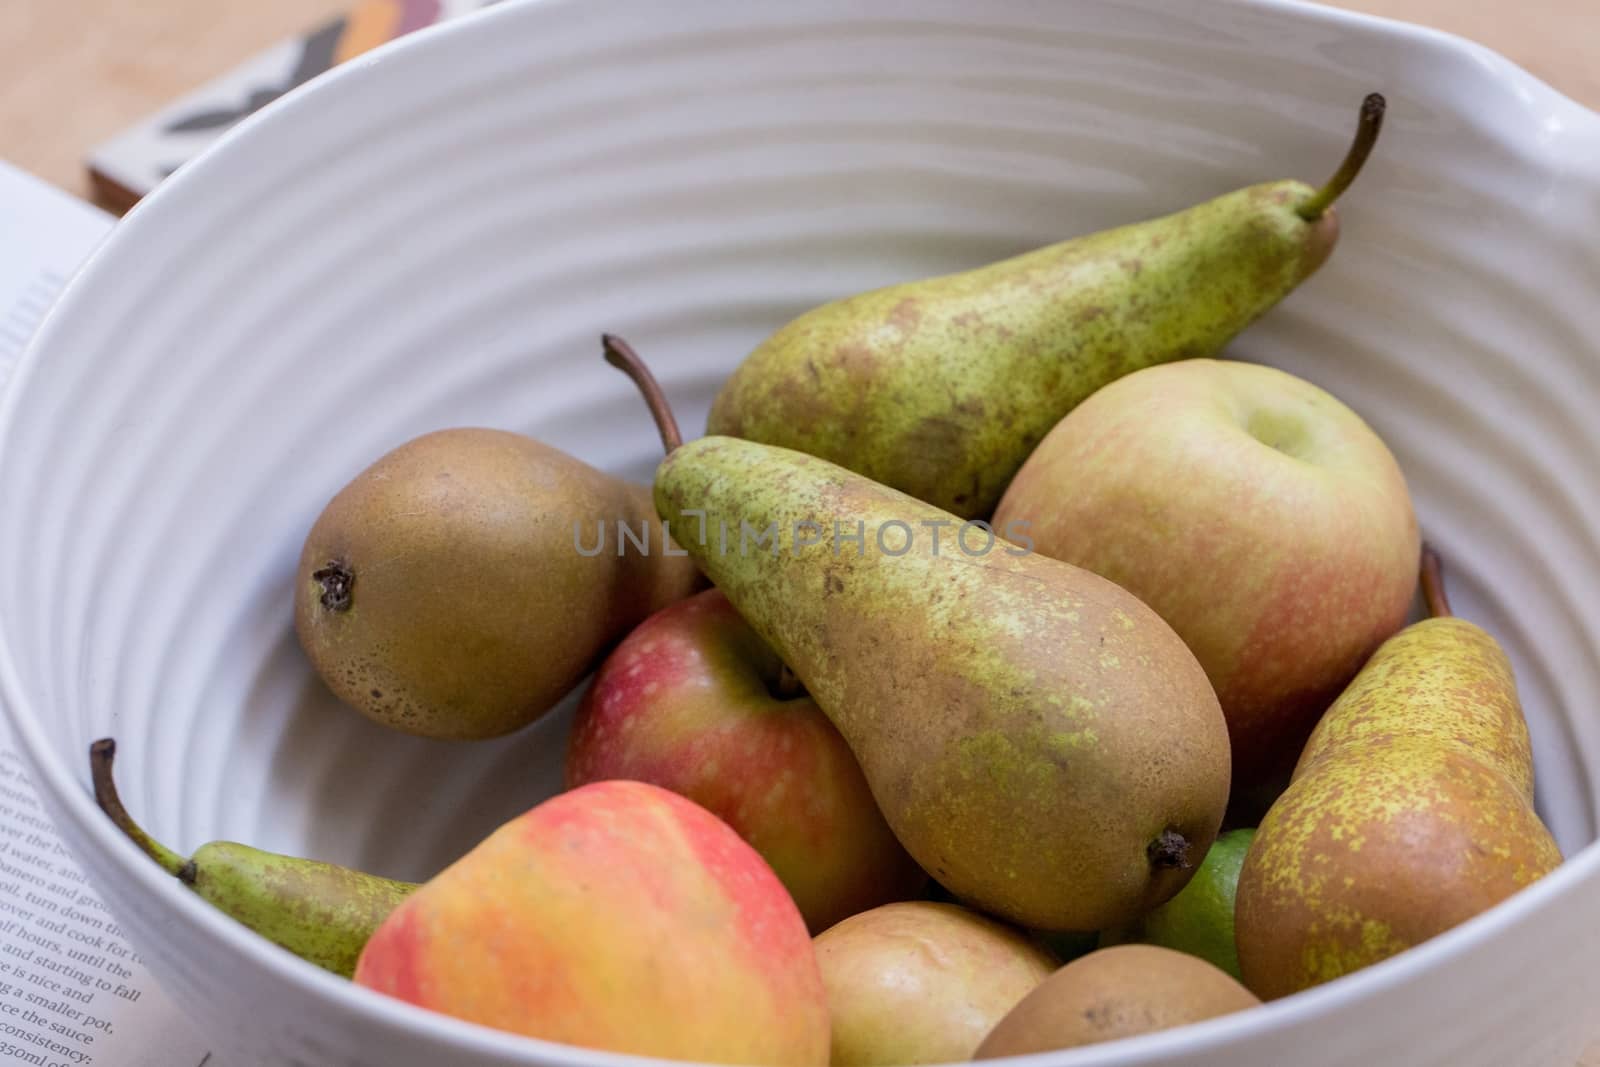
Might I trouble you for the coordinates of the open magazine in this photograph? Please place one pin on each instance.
(72, 992)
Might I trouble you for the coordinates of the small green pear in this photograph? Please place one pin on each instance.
(1038, 740)
(1410, 811)
(940, 388)
(321, 912)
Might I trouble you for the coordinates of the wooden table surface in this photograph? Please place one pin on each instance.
(78, 71)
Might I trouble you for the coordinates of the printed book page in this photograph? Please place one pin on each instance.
(72, 992)
(44, 235)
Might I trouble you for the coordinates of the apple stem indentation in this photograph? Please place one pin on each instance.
(1433, 584)
(1372, 109)
(101, 755)
(620, 354)
(788, 685)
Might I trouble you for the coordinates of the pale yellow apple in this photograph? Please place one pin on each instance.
(1256, 513)
(922, 982)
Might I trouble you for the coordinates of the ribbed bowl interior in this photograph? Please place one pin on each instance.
(437, 234)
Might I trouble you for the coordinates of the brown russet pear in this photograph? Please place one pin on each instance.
(1116, 992)
(1410, 811)
(465, 582)
(1038, 740)
(321, 912)
(942, 387)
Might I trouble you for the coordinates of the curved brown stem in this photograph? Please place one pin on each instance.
(1433, 584)
(101, 755)
(620, 354)
(1371, 121)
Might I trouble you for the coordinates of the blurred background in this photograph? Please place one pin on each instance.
(137, 87)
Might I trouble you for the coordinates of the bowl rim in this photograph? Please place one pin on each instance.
(1576, 147)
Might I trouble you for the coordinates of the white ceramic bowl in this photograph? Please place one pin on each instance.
(436, 234)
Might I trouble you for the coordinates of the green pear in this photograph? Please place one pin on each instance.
(941, 387)
(1410, 811)
(1039, 740)
(321, 912)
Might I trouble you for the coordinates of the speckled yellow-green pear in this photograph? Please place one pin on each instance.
(1410, 811)
(1039, 740)
(321, 912)
(941, 387)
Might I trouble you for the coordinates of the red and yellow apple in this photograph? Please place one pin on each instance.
(694, 701)
(618, 916)
(1259, 516)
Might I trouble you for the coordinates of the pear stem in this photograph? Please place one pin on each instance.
(101, 755)
(337, 581)
(1169, 851)
(620, 354)
(1372, 109)
(1433, 584)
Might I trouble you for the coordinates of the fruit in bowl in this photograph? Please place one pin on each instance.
(940, 388)
(1410, 811)
(417, 579)
(174, 631)
(922, 982)
(1006, 709)
(1035, 736)
(1258, 515)
(318, 911)
(693, 700)
(1114, 993)
(1200, 919)
(616, 916)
